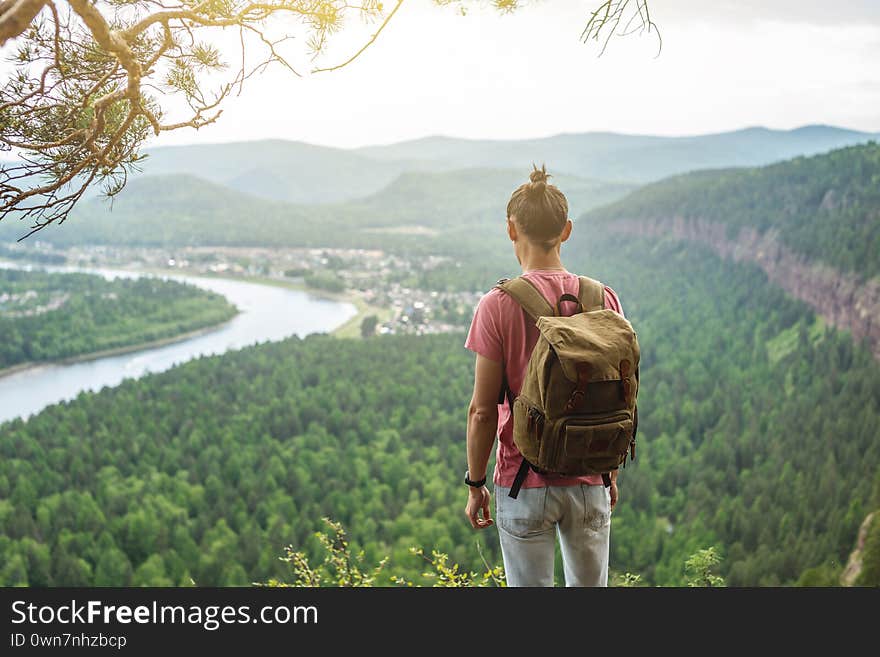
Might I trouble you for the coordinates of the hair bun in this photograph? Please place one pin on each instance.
(539, 175)
(538, 178)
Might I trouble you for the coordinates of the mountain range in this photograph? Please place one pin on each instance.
(184, 209)
(276, 191)
(305, 173)
(628, 158)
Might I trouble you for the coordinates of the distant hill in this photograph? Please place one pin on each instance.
(633, 158)
(449, 198)
(298, 172)
(439, 211)
(277, 169)
(153, 210)
(825, 207)
(305, 173)
(283, 192)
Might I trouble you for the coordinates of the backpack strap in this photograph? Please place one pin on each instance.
(526, 295)
(591, 293)
(520, 477)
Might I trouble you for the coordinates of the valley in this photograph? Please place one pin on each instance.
(751, 290)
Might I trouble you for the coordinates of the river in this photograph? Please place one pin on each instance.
(268, 313)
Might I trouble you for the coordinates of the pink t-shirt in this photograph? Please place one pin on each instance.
(502, 331)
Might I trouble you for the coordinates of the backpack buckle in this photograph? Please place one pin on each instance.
(575, 401)
(535, 420)
(580, 392)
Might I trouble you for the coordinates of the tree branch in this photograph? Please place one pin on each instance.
(366, 45)
(16, 16)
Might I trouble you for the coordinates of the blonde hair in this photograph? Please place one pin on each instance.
(540, 209)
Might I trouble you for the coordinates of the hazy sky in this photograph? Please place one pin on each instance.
(724, 65)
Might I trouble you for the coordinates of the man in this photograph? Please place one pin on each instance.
(503, 336)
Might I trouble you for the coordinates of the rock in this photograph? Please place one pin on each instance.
(854, 565)
(842, 299)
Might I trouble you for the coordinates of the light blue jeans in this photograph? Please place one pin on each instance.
(527, 527)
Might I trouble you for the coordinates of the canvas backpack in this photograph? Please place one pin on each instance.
(576, 412)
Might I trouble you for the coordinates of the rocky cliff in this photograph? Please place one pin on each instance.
(842, 299)
(852, 572)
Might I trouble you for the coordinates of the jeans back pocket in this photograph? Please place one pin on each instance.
(524, 515)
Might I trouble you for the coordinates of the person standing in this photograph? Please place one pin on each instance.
(502, 336)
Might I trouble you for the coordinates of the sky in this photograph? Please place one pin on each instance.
(724, 65)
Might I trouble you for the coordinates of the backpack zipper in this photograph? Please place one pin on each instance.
(591, 419)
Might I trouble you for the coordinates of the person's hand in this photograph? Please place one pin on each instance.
(478, 501)
(614, 493)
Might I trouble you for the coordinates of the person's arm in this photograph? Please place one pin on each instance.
(482, 424)
(613, 489)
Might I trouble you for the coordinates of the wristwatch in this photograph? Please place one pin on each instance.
(474, 484)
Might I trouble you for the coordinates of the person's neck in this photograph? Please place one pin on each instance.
(541, 261)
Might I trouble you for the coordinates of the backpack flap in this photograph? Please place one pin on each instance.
(591, 346)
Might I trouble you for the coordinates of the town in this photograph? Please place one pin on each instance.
(379, 283)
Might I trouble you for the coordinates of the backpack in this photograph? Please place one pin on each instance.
(576, 413)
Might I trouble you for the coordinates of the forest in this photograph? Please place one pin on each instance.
(205, 473)
(48, 316)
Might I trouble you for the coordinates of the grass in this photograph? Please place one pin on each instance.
(352, 328)
(782, 344)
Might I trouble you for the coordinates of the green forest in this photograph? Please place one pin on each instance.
(48, 316)
(758, 439)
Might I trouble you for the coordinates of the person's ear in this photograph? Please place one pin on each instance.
(566, 231)
(511, 229)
